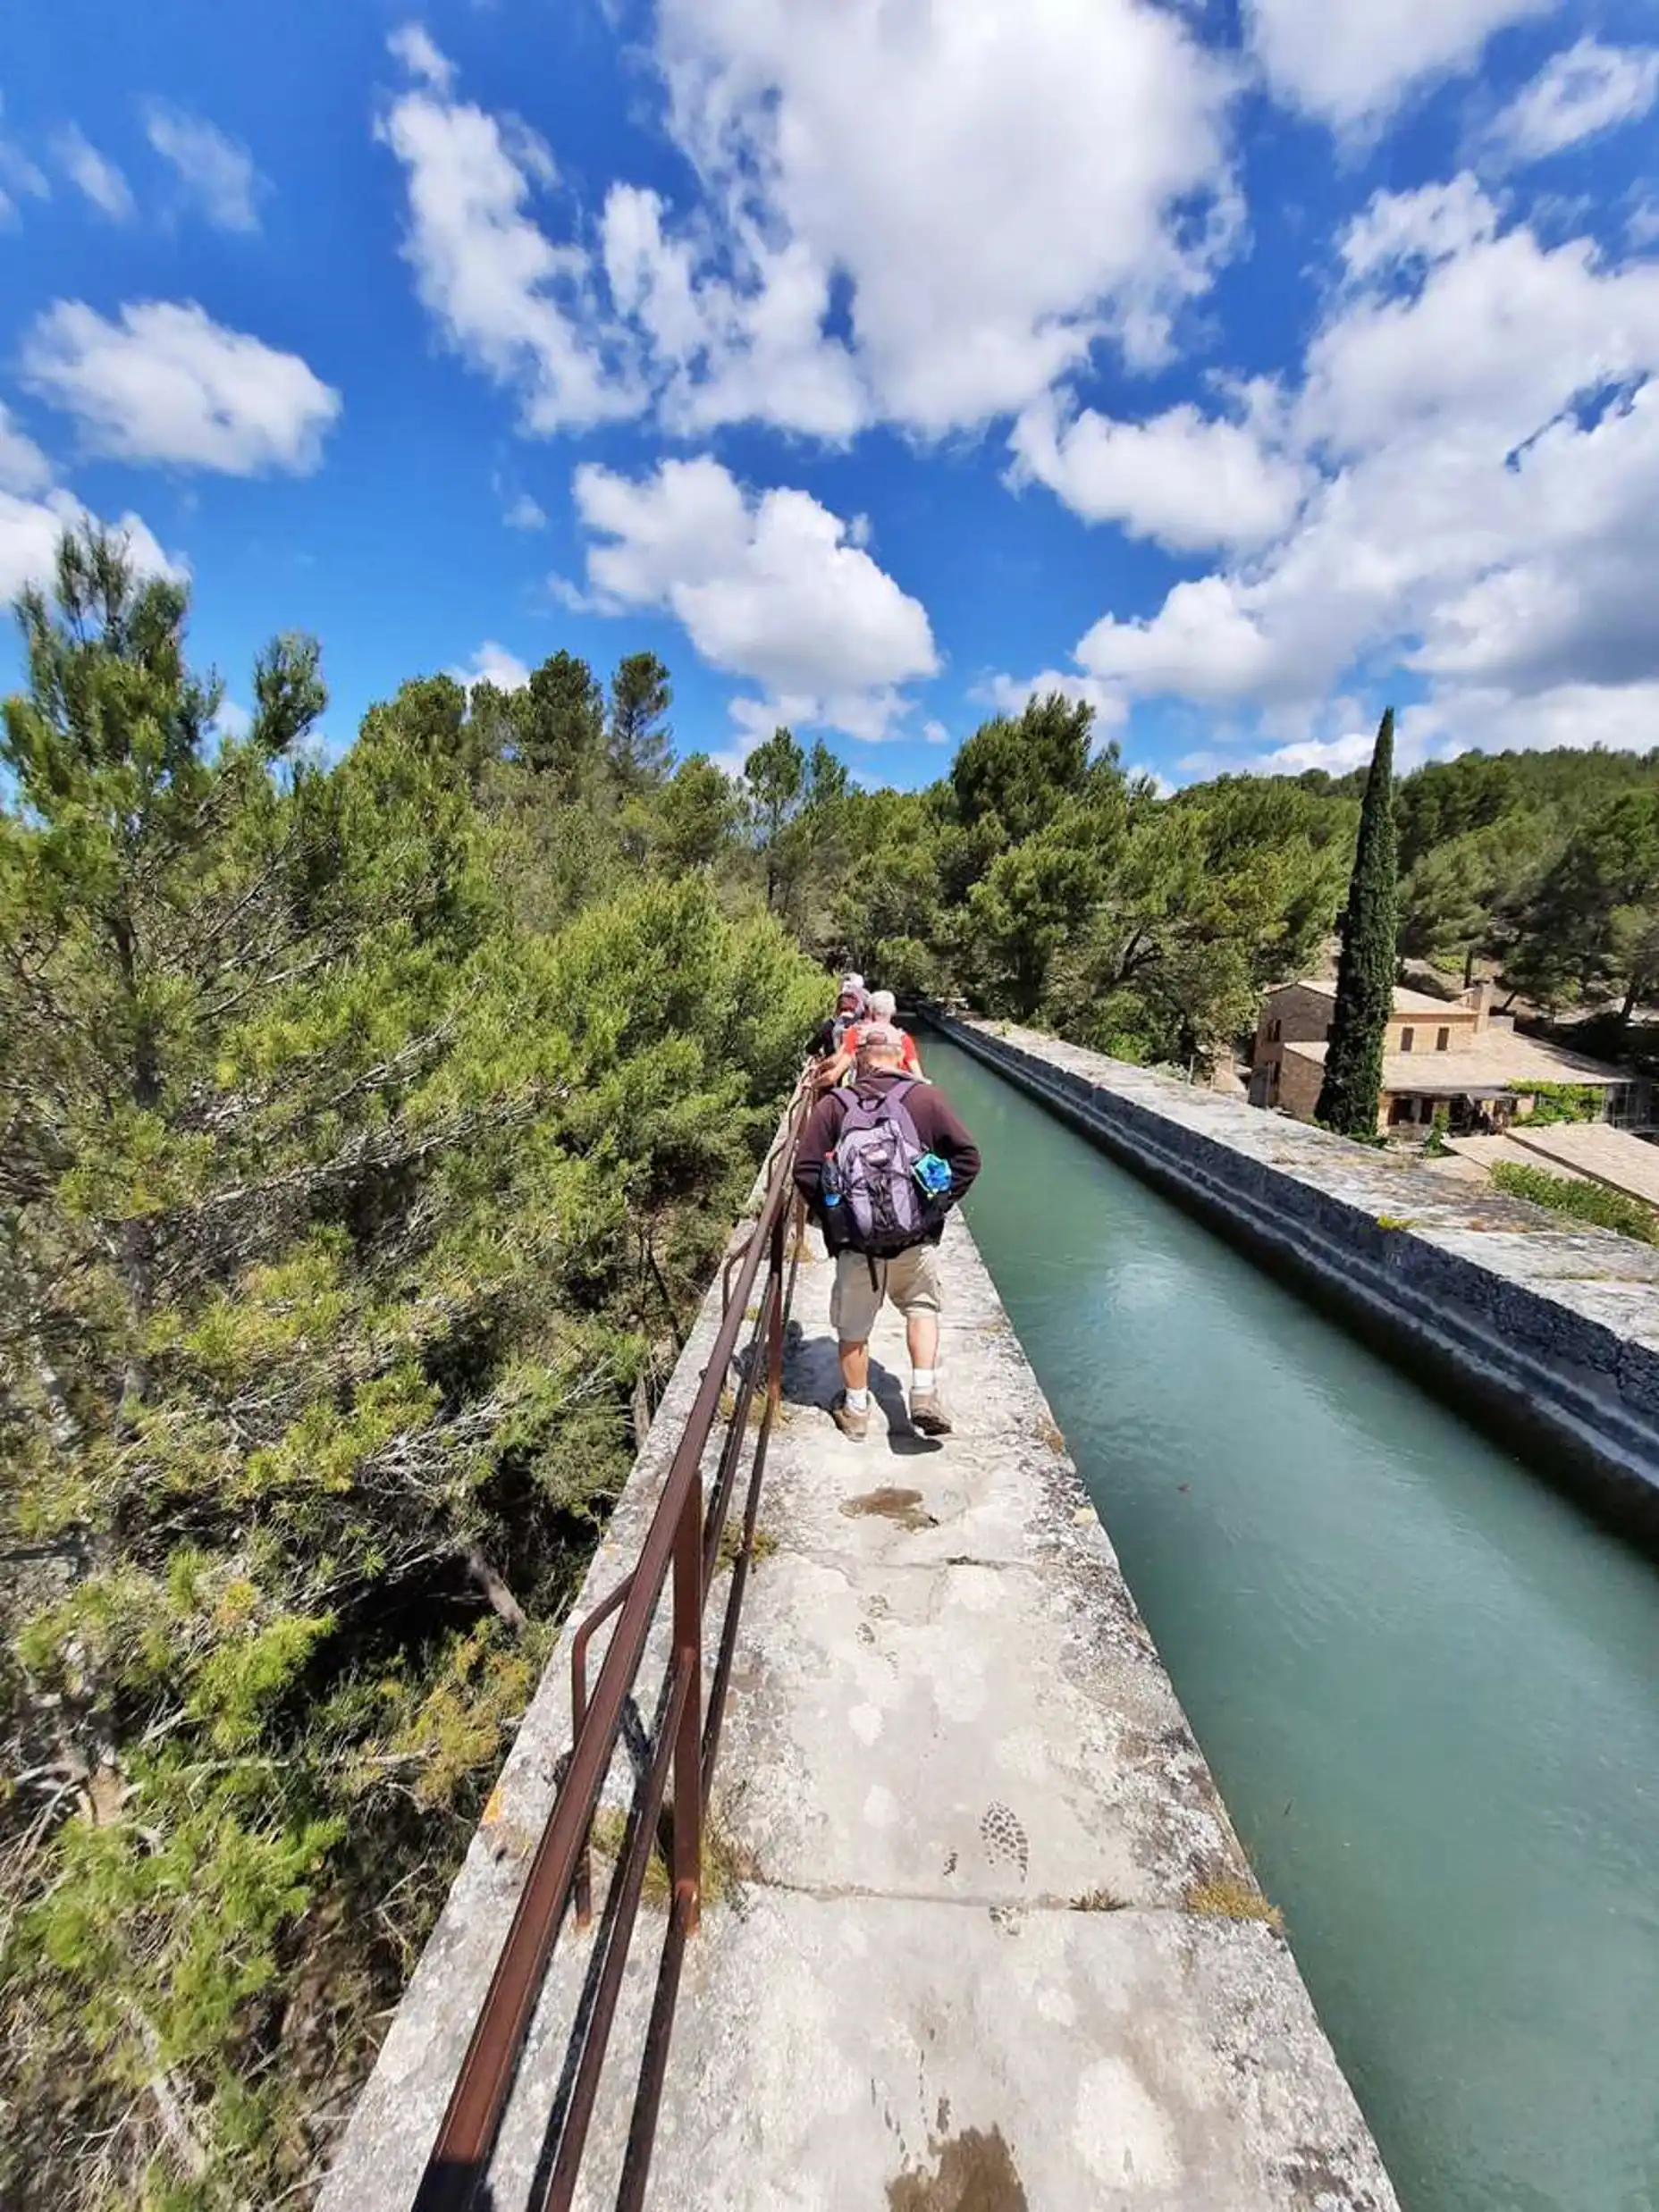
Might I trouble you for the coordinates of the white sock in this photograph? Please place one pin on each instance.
(858, 1401)
(922, 1382)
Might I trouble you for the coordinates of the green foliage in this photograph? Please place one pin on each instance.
(1013, 773)
(1592, 925)
(1365, 974)
(1590, 1202)
(368, 1130)
(561, 725)
(637, 752)
(1561, 1102)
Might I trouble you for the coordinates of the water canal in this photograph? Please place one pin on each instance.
(1427, 1685)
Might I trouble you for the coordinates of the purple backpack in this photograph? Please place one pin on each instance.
(883, 1209)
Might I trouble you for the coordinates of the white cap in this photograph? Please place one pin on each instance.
(877, 1037)
(851, 983)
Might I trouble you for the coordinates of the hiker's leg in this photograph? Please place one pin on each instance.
(854, 1304)
(921, 1335)
(917, 1297)
(913, 1285)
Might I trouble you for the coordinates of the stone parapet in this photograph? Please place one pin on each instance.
(1551, 1332)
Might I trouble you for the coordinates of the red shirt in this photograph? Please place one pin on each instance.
(910, 1060)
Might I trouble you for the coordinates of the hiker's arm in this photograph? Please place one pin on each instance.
(949, 1138)
(816, 1140)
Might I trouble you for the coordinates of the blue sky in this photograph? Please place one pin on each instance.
(1236, 367)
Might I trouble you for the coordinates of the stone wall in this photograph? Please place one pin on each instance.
(1553, 1333)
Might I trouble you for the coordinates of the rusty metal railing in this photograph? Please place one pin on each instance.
(673, 1767)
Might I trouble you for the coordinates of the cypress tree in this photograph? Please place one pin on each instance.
(1365, 973)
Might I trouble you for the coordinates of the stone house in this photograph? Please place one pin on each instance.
(1452, 1054)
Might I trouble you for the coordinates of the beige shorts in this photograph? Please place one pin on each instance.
(909, 1279)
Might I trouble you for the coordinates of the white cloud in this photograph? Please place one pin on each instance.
(1351, 63)
(1437, 222)
(19, 178)
(93, 174)
(1623, 718)
(893, 149)
(1588, 89)
(412, 44)
(1190, 482)
(767, 586)
(165, 384)
(522, 514)
(23, 467)
(935, 733)
(233, 720)
(30, 528)
(1010, 694)
(507, 299)
(493, 664)
(876, 234)
(722, 349)
(1484, 413)
(216, 173)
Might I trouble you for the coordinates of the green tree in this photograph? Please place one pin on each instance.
(775, 775)
(1018, 769)
(641, 696)
(561, 716)
(1036, 897)
(343, 1217)
(1593, 924)
(695, 816)
(1365, 973)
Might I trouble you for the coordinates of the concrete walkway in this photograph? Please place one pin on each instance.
(977, 1963)
(988, 1942)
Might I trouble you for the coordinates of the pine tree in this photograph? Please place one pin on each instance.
(560, 715)
(640, 698)
(1365, 973)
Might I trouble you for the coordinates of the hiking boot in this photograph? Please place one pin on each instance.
(851, 1423)
(926, 1415)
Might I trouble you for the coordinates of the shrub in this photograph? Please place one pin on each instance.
(1590, 1202)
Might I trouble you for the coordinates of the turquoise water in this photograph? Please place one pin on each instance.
(1427, 1685)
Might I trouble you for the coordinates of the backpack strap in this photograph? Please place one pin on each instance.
(893, 1102)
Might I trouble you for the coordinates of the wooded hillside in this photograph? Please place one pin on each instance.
(370, 1133)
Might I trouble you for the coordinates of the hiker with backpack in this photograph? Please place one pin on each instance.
(880, 1164)
(831, 1038)
(883, 1008)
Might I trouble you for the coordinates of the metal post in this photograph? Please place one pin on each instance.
(688, 1734)
(774, 1312)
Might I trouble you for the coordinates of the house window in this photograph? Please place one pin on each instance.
(1407, 1038)
(1442, 1040)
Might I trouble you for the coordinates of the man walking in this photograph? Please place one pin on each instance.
(880, 1164)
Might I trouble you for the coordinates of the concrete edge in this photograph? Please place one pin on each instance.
(1565, 1383)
